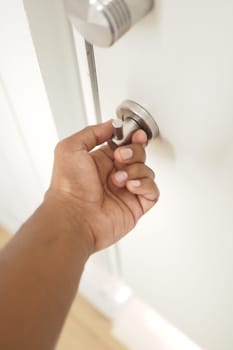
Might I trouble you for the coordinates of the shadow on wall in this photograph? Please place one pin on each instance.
(163, 149)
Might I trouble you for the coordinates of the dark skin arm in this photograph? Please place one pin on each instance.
(95, 198)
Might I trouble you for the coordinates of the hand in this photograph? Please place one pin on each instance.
(108, 190)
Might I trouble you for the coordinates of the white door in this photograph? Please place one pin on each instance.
(178, 64)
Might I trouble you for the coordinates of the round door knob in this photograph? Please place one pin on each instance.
(103, 22)
(132, 117)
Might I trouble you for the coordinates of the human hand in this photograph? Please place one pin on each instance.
(107, 190)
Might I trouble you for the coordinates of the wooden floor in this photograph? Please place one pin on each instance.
(86, 328)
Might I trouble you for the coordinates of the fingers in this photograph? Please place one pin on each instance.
(132, 172)
(144, 187)
(140, 137)
(130, 154)
(139, 180)
(90, 137)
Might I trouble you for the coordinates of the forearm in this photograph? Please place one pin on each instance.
(39, 274)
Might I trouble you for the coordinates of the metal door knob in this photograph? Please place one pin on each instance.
(132, 117)
(103, 22)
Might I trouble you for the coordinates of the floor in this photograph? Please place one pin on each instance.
(86, 328)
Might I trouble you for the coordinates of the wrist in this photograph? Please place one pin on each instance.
(70, 221)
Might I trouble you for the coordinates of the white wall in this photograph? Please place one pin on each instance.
(27, 131)
(178, 64)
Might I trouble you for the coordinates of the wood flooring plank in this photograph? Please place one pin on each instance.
(89, 328)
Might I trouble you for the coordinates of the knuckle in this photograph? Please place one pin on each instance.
(88, 129)
(142, 153)
(140, 149)
(61, 147)
(141, 170)
(135, 170)
(154, 191)
(138, 168)
(58, 147)
(157, 194)
(152, 173)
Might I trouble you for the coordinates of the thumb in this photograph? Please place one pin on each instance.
(92, 136)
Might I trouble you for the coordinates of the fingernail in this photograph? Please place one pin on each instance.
(126, 153)
(121, 176)
(135, 183)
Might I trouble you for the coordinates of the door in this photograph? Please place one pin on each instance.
(177, 63)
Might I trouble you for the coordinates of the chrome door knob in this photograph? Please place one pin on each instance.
(132, 117)
(103, 22)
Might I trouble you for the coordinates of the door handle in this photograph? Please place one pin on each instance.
(131, 117)
(103, 22)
